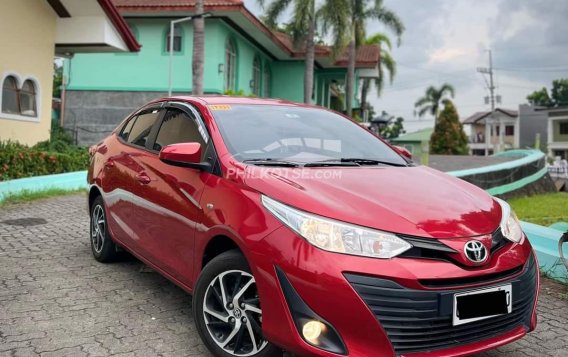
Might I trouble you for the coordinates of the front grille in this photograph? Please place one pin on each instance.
(431, 248)
(421, 321)
(481, 279)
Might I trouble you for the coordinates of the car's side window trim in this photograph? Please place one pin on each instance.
(195, 115)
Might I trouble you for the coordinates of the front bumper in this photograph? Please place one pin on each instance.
(421, 321)
(380, 308)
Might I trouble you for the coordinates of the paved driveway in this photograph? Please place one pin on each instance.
(56, 300)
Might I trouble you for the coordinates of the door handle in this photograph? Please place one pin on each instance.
(109, 163)
(143, 178)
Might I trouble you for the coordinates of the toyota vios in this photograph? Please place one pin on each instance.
(296, 229)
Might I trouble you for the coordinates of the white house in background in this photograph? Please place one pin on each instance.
(558, 132)
(503, 133)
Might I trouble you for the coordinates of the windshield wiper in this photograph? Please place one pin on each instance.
(371, 162)
(358, 162)
(334, 162)
(271, 162)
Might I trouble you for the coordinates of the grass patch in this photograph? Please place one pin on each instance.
(543, 209)
(27, 195)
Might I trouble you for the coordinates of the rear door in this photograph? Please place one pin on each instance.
(170, 211)
(124, 176)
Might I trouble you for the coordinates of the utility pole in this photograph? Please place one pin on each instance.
(489, 71)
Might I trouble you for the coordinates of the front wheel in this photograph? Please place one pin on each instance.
(227, 311)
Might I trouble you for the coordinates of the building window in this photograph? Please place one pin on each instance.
(230, 66)
(266, 80)
(510, 130)
(256, 76)
(10, 99)
(177, 40)
(563, 128)
(28, 99)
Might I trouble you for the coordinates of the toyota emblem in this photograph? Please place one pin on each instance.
(475, 251)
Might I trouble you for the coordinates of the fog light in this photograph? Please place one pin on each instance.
(312, 330)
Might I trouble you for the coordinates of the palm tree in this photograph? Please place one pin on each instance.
(355, 14)
(198, 50)
(387, 64)
(303, 29)
(433, 100)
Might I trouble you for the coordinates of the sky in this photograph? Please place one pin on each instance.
(447, 40)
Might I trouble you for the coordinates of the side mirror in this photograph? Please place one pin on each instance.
(403, 151)
(184, 155)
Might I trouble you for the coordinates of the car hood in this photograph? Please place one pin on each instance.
(416, 201)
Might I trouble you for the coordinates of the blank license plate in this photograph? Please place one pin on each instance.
(482, 304)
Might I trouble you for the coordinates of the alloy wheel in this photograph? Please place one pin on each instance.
(98, 228)
(231, 309)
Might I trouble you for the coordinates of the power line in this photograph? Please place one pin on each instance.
(559, 70)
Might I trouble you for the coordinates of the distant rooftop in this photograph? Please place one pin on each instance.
(418, 136)
(482, 115)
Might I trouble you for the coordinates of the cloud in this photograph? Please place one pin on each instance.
(443, 55)
(446, 40)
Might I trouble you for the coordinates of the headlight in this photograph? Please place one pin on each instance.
(510, 225)
(336, 236)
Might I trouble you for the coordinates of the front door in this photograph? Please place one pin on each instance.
(170, 210)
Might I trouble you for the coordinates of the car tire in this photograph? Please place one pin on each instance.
(102, 246)
(227, 330)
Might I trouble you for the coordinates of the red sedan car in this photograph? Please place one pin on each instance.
(295, 229)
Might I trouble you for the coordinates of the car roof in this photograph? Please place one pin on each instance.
(225, 99)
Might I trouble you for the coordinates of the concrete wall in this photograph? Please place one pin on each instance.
(532, 122)
(92, 115)
(27, 53)
(288, 79)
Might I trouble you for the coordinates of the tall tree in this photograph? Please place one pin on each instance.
(303, 30)
(433, 100)
(198, 49)
(558, 95)
(540, 98)
(354, 15)
(393, 129)
(559, 92)
(57, 80)
(448, 137)
(387, 64)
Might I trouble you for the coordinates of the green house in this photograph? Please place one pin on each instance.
(417, 142)
(241, 56)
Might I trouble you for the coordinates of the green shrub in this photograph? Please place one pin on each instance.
(45, 158)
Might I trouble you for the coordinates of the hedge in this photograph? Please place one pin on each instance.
(45, 158)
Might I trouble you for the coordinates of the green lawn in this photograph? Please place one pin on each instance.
(542, 209)
(26, 196)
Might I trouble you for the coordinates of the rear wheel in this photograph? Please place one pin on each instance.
(227, 311)
(102, 246)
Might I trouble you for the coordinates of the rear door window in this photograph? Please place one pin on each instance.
(140, 129)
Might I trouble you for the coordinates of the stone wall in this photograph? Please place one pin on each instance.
(92, 115)
(543, 185)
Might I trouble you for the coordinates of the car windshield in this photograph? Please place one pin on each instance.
(263, 133)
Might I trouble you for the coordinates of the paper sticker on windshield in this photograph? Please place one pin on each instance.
(219, 107)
